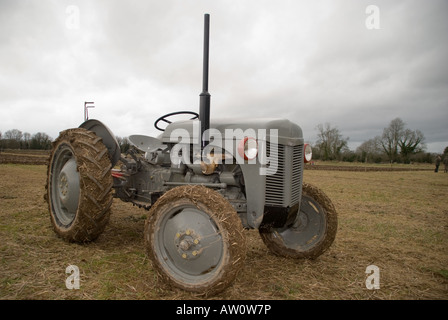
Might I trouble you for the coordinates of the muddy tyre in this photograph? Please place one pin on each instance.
(79, 185)
(312, 232)
(194, 239)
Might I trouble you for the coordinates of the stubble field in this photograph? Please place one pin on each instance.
(397, 221)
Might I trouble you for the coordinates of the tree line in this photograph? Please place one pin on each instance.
(16, 139)
(396, 144)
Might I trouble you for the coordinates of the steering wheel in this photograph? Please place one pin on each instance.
(164, 118)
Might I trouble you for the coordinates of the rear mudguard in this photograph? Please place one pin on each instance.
(109, 140)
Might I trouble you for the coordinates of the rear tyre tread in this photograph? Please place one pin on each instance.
(94, 167)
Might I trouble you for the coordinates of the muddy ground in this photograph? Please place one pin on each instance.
(395, 221)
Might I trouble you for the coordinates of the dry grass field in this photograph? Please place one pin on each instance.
(18, 156)
(397, 221)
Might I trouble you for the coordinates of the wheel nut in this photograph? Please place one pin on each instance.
(184, 245)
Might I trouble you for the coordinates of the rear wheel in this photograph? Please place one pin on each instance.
(79, 185)
(195, 239)
(312, 232)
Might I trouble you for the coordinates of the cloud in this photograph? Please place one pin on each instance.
(308, 61)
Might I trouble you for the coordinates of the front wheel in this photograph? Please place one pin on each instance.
(312, 232)
(195, 239)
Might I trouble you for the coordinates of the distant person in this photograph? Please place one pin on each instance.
(445, 162)
(438, 160)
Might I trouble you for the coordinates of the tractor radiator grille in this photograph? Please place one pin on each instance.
(284, 175)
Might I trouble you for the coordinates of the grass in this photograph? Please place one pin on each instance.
(397, 221)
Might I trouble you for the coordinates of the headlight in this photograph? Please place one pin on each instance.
(307, 152)
(248, 148)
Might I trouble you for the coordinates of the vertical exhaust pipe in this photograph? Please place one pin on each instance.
(204, 97)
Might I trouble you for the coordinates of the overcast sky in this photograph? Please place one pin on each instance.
(312, 62)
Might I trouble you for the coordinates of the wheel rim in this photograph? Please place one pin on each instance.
(188, 244)
(64, 186)
(308, 228)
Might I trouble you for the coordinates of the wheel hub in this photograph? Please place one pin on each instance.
(63, 185)
(68, 186)
(188, 244)
(308, 228)
(302, 221)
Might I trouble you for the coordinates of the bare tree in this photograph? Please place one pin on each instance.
(124, 143)
(411, 142)
(370, 149)
(13, 134)
(26, 140)
(330, 142)
(40, 140)
(397, 140)
(13, 138)
(390, 138)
